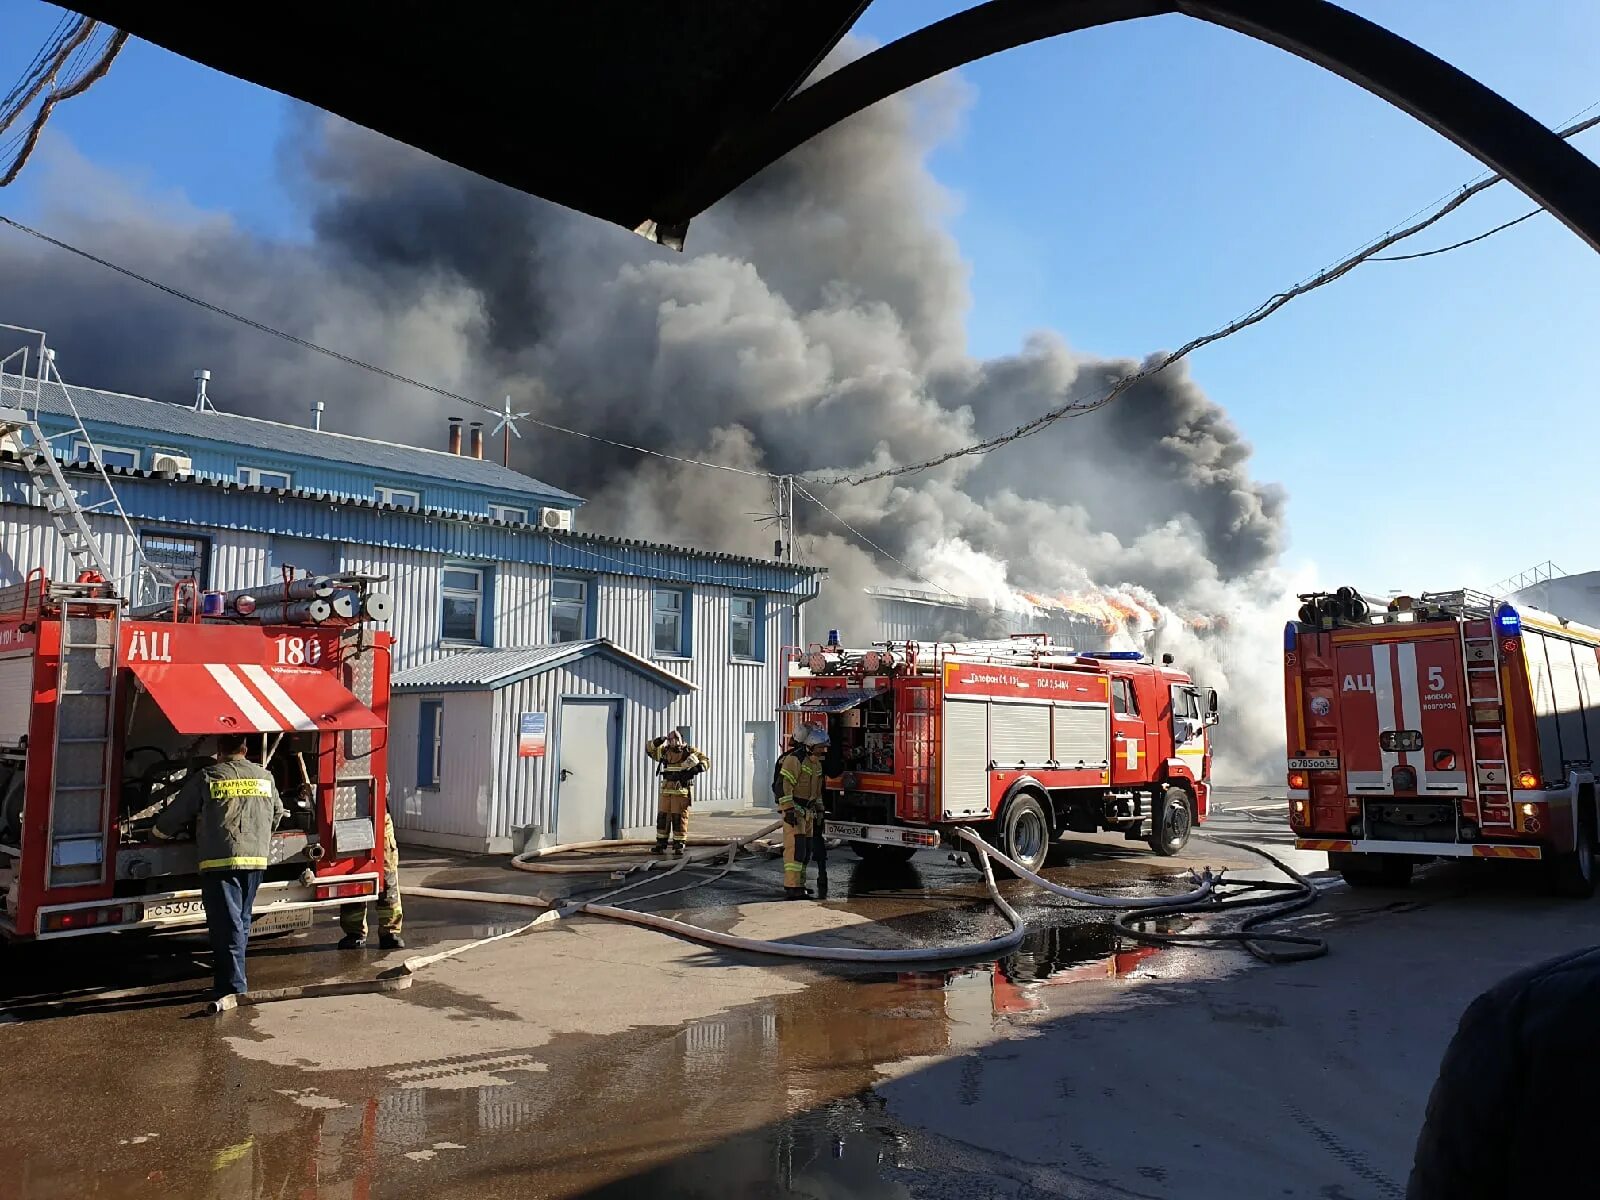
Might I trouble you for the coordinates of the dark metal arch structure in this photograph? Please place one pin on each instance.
(645, 115)
(1451, 102)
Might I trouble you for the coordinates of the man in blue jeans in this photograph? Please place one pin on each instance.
(235, 807)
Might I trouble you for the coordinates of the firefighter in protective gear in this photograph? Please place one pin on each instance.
(677, 763)
(353, 917)
(235, 807)
(801, 806)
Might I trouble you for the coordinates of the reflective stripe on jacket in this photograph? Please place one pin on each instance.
(802, 780)
(679, 767)
(235, 807)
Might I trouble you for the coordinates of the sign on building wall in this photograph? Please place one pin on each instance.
(530, 735)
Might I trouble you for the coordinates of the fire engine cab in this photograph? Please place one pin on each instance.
(104, 711)
(1445, 725)
(1020, 739)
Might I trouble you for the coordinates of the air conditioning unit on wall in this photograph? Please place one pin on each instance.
(558, 519)
(164, 462)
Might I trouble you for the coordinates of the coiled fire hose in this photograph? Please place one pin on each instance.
(1202, 900)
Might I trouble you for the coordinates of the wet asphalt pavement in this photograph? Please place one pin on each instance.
(593, 1059)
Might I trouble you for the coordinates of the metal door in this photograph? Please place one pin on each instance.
(1130, 745)
(586, 759)
(760, 752)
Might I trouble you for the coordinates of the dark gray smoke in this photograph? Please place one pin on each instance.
(816, 325)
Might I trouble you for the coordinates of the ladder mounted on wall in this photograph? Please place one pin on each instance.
(24, 375)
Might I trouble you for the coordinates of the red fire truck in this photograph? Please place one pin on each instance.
(1020, 739)
(104, 711)
(1445, 725)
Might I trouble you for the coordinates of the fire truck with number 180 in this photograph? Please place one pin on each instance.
(105, 710)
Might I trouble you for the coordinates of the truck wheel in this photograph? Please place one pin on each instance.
(1025, 832)
(1172, 822)
(872, 852)
(1373, 870)
(1573, 875)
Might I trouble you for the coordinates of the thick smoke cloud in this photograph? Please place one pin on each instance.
(816, 325)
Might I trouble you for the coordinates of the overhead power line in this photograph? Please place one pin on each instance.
(1261, 312)
(76, 88)
(869, 542)
(351, 360)
(1487, 233)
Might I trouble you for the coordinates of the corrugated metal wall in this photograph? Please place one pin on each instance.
(899, 619)
(730, 693)
(486, 791)
(178, 503)
(460, 807)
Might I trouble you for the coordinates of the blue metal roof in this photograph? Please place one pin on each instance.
(479, 670)
(356, 462)
(152, 500)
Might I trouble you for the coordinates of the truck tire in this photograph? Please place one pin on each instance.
(1573, 875)
(1171, 822)
(1025, 832)
(873, 852)
(1373, 870)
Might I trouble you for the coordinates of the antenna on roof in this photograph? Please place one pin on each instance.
(506, 427)
(202, 402)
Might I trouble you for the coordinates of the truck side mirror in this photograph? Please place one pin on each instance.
(1211, 706)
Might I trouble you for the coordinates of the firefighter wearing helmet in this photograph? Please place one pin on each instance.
(677, 763)
(800, 802)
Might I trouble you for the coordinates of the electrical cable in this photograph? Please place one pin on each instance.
(868, 541)
(89, 79)
(64, 49)
(351, 360)
(1488, 233)
(1076, 408)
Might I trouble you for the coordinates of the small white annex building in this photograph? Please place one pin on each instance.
(531, 746)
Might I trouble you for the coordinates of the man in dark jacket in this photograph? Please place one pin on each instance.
(1518, 1093)
(235, 807)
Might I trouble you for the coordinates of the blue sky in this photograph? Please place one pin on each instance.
(1136, 185)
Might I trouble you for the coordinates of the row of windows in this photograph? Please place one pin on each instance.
(466, 598)
(463, 603)
(265, 477)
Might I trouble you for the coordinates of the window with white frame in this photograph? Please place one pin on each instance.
(430, 740)
(398, 497)
(569, 609)
(509, 513)
(461, 604)
(264, 477)
(112, 456)
(671, 628)
(743, 641)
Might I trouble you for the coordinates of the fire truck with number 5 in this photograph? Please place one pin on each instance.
(1019, 739)
(1445, 725)
(104, 711)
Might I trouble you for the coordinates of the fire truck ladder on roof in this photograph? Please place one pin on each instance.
(24, 374)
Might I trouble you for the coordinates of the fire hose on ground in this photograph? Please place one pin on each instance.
(1203, 900)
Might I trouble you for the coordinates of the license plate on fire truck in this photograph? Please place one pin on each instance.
(1313, 764)
(174, 909)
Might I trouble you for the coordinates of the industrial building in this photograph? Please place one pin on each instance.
(912, 614)
(532, 660)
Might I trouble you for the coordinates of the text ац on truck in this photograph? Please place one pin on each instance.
(104, 711)
(1445, 725)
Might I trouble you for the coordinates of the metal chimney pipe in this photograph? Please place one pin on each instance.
(202, 402)
(316, 414)
(477, 439)
(455, 435)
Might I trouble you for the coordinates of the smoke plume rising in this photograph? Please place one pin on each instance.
(816, 325)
